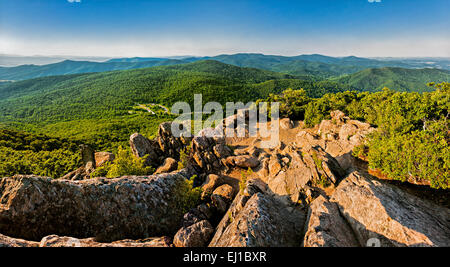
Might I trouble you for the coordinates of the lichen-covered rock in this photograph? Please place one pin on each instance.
(259, 220)
(375, 209)
(65, 241)
(9, 242)
(108, 209)
(196, 235)
(326, 227)
(204, 158)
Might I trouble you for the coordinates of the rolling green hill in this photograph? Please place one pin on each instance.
(110, 94)
(399, 79)
(24, 72)
(306, 67)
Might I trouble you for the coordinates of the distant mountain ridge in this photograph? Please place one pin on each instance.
(313, 66)
(399, 79)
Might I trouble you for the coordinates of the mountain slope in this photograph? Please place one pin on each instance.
(312, 67)
(108, 94)
(399, 79)
(24, 72)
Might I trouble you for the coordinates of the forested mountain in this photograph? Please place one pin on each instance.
(399, 79)
(24, 72)
(108, 94)
(311, 67)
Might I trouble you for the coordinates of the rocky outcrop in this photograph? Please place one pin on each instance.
(375, 209)
(143, 147)
(203, 151)
(107, 209)
(302, 167)
(89, 165)
(326, 227)
(9, 242)
(168, 143)
(338, 136)
(212, 182)
(169, 165)
(196, 235)
(222, 197)
(64, 241)
(257, 219)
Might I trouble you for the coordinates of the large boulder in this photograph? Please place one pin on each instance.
(203, 151)
(326, 227)
(376, 210)
(246, 161)
(141, 147)
(222, 197)
(258, 219)
(168, 143)
(196, 235)
(107, 209)
(212, 182)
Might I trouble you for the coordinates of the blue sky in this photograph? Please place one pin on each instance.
(210, 27)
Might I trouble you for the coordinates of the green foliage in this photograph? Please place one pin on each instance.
(189, 196)
(24, 153)
(399, 79)
(100, 134)
(184, 157)
(125, 163)
(108, 95)
(244, 178)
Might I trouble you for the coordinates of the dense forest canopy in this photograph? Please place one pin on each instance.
(110, 94)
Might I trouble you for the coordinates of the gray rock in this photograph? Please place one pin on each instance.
(326, 227)
(196, 235)
(108, 209)
(141, 146)
(375, 209)
(259, 220)
(246, 161)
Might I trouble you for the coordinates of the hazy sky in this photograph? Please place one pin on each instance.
(115, 28)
